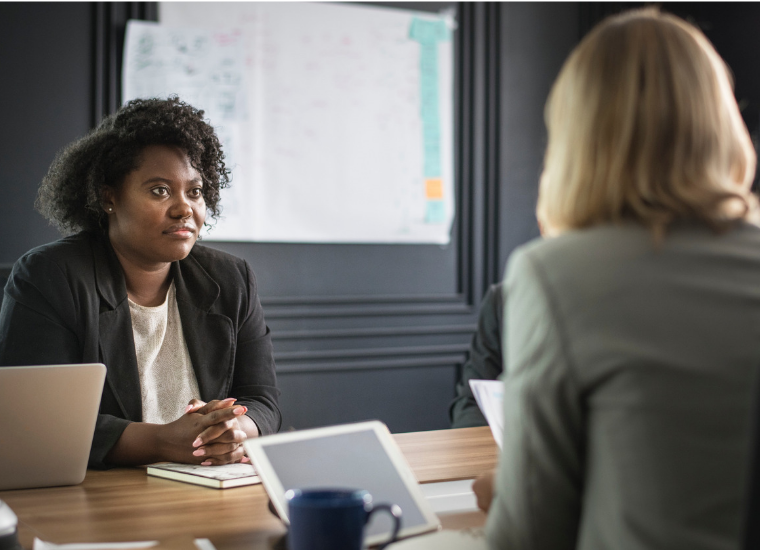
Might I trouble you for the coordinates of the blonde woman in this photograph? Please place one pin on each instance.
(628, 383)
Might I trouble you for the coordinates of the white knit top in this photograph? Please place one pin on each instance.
(167, 379)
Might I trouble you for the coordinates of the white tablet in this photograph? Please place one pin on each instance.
(356, 456)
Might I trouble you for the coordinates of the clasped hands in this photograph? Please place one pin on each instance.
(209, 433)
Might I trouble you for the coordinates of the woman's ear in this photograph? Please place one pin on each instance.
(107, 200)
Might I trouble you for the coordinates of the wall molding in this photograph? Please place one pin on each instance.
(109, 23)
(492, 165)
(359, 353)
(303, 311)
(363, 299)
(278, 307)
(375, 332)
(451, 361)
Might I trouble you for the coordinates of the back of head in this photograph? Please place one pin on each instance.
(643, 126)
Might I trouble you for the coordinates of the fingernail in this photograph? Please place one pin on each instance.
(197, 442)
(199, 452)
(229, 399)
(237, 411)
(188, 408)
(207, 463)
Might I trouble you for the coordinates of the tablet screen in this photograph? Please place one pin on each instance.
(354, 460)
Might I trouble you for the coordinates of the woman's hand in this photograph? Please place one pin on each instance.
(222, 442)
(483, 487)
(216, 434)
(201, 407)
(203, 446)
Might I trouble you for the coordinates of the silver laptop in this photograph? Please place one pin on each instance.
(47, 420)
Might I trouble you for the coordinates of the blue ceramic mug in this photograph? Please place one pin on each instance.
(333, 519)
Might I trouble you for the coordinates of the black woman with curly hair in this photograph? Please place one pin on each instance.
(179, 326)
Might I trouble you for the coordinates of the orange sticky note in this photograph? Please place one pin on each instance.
(434, 189)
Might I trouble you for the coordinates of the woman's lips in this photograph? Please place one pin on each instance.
(181, 231)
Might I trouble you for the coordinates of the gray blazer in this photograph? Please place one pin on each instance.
(628, 389)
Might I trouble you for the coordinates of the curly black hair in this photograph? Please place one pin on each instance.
(71, 193)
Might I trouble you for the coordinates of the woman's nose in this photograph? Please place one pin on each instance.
(181, 208)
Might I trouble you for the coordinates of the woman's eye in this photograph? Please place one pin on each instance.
(160, 191)
(196, 193)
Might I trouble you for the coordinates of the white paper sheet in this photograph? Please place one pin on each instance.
(205, 68)
(201, 544)
(490, 397)
(345, 133)
(464, 539)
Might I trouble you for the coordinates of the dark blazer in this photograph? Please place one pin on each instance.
(66, 302)
(485, 361)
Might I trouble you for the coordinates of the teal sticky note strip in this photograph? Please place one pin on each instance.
(429, 110)
(428, 33)
(422, 30)
(431, 125)
(432, 162)
(435, 212)
(431, 145)
(429, 58)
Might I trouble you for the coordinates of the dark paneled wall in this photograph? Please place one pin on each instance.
(535, 40)
(360, 331)
(46, 100)
(732, 29)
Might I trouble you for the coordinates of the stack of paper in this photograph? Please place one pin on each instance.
(490, 397)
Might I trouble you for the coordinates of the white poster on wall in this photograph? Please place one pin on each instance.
(337, 120)
(205, 68)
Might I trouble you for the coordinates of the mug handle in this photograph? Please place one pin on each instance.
(395, 511)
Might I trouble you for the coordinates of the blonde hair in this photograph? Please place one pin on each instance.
(643, 125)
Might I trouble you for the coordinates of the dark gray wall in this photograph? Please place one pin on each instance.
(360, 331)
(536, 39)
(732, 28)
(45, 70)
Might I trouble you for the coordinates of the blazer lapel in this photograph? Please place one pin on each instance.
(117, 347)
(209, 336)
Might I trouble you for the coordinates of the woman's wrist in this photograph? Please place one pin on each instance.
(157, 442)
(247, 424)
(140, 443)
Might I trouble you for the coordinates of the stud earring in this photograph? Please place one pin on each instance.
(110, 209)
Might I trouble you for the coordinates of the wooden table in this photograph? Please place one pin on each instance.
(125, 504)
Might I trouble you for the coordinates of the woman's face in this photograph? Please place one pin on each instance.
(158, 210)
